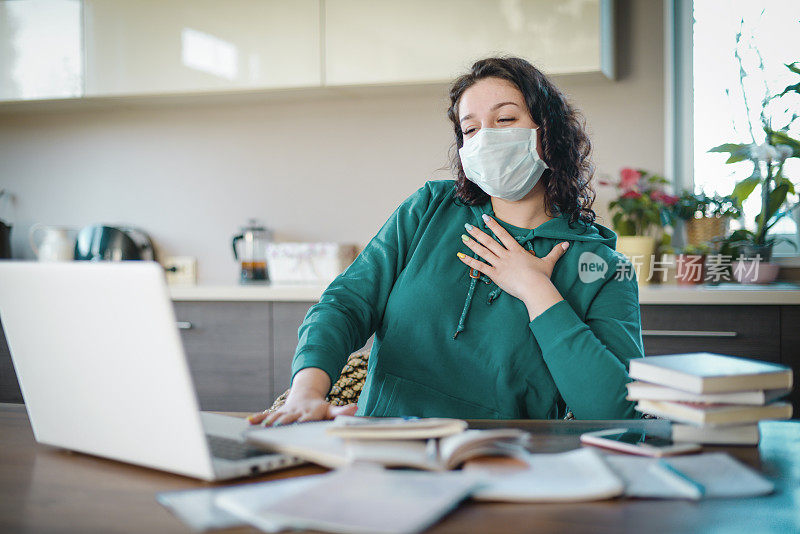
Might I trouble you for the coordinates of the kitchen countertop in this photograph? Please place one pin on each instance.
(725, 293)
(732, 294)
(257, 292)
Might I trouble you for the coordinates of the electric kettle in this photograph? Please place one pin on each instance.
(115, 243)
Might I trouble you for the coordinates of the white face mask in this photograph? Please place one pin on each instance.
(503, 161)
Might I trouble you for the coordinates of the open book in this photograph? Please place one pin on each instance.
(317, 443)
(438, 455)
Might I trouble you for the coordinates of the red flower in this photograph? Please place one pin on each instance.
(632, 194)
(629, 177)
(666, 199)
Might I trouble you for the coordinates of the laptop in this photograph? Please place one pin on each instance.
(102, 370)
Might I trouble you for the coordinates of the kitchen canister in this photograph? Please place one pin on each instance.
(308, 263)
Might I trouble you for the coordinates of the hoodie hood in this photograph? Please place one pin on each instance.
(558, 228)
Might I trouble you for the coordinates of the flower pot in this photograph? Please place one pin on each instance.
(639, 250)
(750, 251)
(689, 269)
(705, 229)
(665, 269)
(750, 271)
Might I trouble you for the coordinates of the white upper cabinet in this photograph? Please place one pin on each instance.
(53, 49)
(156, 46)
(380, 42)
(40, 50)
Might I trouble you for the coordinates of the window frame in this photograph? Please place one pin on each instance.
(679, 109)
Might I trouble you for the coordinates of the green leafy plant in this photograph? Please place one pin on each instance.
(768, 159)
(694, 205)
(642, 204)
(701, 249)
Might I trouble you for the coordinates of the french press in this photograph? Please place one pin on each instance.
(252, 252)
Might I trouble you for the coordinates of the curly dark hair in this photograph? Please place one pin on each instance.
(565, 144)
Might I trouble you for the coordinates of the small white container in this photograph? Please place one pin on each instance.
(307, 263)
(55, 245)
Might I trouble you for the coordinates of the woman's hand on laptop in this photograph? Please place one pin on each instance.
(305, 402)
(300, 410)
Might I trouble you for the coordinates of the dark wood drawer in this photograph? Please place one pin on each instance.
(229, 349)
(747, 331)
(287, 318)
(790, 350)
(9, 387)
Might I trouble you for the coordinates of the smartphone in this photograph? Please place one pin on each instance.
(637, 442)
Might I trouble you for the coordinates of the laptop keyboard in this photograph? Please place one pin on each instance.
(230, 449)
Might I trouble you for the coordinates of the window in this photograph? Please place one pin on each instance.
(769, 35)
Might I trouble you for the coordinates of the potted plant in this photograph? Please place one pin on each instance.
(706, 217)
(767, 159)
(690, 264)
(639, 214)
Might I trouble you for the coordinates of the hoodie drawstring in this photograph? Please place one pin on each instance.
(474, 282)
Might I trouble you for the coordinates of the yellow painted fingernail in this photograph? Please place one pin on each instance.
(464, 238)
(460, 254)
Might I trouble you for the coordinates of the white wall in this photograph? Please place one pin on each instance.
(329, 168)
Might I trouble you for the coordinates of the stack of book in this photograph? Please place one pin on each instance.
(711, 398)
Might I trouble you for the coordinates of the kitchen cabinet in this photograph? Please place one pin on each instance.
(9, 387)
(229, 351)
(790, 350)
(100, 48)
(763, 332)
(286, 319)
(150, 46)
(369, 42)
(40, 50)
(747, 331)
(240, 352)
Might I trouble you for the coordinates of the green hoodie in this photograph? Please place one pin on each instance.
(448, 345)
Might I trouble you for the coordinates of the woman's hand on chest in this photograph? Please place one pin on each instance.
(512, 267)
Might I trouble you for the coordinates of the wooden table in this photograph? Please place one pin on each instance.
(43, 489)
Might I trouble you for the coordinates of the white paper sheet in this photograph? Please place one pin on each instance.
(358, 499)
(199, 510)
(717, 472)
(577, 475)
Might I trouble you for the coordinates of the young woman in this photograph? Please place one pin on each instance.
(494, 295)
